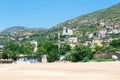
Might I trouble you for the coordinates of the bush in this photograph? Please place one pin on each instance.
(115, 43)
(68, 56)
(50, 49)
(53, 55)
(80, 53)
(64, 48)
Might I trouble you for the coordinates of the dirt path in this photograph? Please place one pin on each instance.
(61, 71)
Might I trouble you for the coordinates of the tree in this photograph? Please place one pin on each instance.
(53, 55)
(115, 43)
(80, 53)
(26, 48)
(64, 48)
(13, 50)
(50, 49)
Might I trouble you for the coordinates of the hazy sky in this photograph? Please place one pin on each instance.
(46, 13)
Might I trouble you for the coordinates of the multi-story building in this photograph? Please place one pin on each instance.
(67, 31)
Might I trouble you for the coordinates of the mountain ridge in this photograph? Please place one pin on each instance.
(94, 16)
(81, 25)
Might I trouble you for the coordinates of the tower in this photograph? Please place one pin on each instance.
(58, 40)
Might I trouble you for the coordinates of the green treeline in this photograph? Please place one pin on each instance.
(78, 53)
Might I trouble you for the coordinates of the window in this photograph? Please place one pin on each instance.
(66, 30)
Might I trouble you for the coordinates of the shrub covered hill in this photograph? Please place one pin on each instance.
(107, 20)
(93, 22)
(110, 15)
(21, 34)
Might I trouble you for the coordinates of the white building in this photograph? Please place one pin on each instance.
(72, 40)
(115, 31)
(118, 30)
(90, 35)
(35, 48)
(67, 31)
(102, 34)
(102, 23)
(109, 27)
(1, 48)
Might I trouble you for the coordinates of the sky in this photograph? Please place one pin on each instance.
(46, 13)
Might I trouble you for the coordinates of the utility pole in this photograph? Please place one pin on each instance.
(58, 40)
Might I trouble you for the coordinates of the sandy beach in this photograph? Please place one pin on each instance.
(61, 71)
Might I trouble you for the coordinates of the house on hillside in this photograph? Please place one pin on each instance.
(102, 34)
(87, 43)
(109, 27)
(90, 35)
(97, 42)
(26, 33)
(67, 31)
(72, 41)
(20, 39)
(115, 31)
(102, 23)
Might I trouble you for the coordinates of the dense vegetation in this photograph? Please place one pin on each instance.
(79, 53)
(13, 50)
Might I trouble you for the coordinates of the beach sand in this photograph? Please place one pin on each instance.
(61, 71)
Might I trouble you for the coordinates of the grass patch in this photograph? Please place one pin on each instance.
(100, 60)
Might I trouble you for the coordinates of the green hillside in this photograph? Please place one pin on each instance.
(90, 23)
(21, 34)
(92, 20)
(82, 25)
